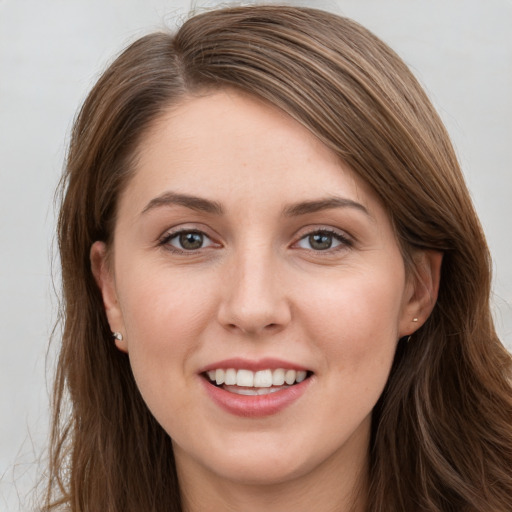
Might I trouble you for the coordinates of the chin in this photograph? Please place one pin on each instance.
(264, 463)
(260, 472)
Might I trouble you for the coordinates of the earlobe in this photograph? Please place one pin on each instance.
(104, 278)
(424, 288)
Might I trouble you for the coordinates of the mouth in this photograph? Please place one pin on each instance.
(255, 383)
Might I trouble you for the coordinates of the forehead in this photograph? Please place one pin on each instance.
(228, 144)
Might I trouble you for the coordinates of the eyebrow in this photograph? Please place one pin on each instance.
(192, 202)
(293, 210)
(305, 207)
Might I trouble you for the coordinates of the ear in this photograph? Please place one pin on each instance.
(421, 291)
(104, 276)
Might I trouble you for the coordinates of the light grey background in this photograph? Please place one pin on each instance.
(52, 51)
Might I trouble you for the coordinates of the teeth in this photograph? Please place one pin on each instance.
(243, 391)
(245, 378)
(230, 378)
(253, 391)
(262, 379)
(290, 376)
(301, 375)
(278, 377)
(219, 376)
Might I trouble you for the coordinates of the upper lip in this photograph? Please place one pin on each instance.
(239, 363)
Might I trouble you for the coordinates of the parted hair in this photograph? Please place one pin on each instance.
(442, 430)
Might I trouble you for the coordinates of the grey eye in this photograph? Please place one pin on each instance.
(321, 241)
(189, 240)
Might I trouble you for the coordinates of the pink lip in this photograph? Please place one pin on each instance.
(239, 363)
(254, 406)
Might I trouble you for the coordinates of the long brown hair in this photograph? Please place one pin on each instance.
(442, 430)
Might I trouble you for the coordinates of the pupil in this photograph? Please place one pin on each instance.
(320, 242)
(191, 240)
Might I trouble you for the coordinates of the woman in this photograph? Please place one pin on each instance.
(276, 289)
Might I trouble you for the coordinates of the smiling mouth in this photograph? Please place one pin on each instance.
(262, 382)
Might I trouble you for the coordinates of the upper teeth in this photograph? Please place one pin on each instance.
(259, 379)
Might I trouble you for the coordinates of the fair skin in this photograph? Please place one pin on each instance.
(283, 257)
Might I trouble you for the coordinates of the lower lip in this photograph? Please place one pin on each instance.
(255, 406)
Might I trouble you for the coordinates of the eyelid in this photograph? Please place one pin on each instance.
(346, 240)
(169, 234)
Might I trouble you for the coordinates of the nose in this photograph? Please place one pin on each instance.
(254, 300)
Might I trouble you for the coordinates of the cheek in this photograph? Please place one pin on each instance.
(354, 328)
(160, 300)
(165, 318)
(355, 319)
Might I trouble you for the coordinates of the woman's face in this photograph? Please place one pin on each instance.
(244, 251)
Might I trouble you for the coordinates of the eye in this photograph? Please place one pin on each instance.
(323, 240)
(186, 240)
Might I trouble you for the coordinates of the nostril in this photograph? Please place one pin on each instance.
(252, 329)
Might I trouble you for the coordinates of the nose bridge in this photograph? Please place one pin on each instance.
(255, 300)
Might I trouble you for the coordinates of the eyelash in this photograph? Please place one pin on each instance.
(344, 241)
(166, 239)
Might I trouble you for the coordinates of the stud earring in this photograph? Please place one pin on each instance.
(414, 319)
(118, 336)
